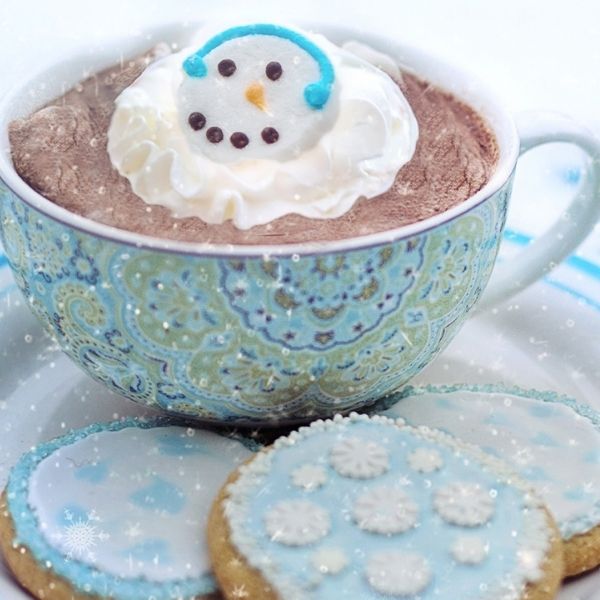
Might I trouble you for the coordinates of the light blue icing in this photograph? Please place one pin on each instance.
(96, 473)
(149, 551)
(496, 419)
(543, 439)
(432, 538)
(535, 474)
(546, 408)
(71, 513)
(81, 575)
(316, 94)
(179, 445)
(542, 411)
(576, 494)
(443, 403)
(592, 457)
(161, 495)
(491, 451)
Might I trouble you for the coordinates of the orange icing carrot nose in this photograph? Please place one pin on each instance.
(255, 93)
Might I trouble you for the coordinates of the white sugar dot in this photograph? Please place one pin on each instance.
(397, 573)
(359, 458)
(466, 504)
(469, 550)
(297, 522)
(309, 477)
(425, 460)
(329, 561)
(385, 510)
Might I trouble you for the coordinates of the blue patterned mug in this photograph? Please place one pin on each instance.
(256, 335)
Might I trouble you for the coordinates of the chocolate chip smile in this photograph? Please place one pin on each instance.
(238, 139)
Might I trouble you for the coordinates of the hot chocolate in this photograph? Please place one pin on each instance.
(61, 151)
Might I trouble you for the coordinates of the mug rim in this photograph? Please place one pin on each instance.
(485, 102)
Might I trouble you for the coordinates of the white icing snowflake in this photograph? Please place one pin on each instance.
(425, 460)
(240, 591)
(133, 530)
(80, 536)
(385, 510)
(359, 459)
(329, 561)
(397, 573)
(297, 522)
(469, 550)
(466, 504)
(309, 477)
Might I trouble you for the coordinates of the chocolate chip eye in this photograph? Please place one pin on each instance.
(274, 70)
(270, 135)
(227, 67)
(239, 139)
(197, 121)
(214, 135)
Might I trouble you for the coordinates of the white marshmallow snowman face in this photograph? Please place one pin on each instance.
(259, 91)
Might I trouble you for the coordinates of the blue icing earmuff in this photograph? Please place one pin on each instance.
(316, 94)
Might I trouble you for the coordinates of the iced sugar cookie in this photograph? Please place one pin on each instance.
(550, 440)
(370, 508)
(117, 511)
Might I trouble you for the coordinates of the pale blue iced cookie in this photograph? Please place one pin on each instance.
(550, 440)
(371, 508)
(117, 511)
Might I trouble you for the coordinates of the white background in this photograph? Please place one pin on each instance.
(535, 53)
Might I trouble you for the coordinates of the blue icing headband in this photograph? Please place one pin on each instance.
(316, 94)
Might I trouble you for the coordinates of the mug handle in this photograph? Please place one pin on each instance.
(536, 128)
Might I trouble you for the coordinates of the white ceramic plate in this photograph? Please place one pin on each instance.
(548, 337)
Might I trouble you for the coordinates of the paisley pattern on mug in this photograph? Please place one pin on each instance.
(252, 338)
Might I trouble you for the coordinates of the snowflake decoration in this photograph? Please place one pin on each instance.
(425, 460)
(359, 459)
(329, 561)
(297, 522)
(133, 530)
(385, 510)
(397, 573)
(309, 477)
(469, 550)
(466, 504)
(239, 591)
(80, 536)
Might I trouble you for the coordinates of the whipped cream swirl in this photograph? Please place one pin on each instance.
(358, 155)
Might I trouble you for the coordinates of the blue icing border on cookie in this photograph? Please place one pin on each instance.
(572, 527)
(81, 575)
(316, 94)
(487, 388)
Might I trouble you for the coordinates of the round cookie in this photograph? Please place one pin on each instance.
(371, 508)
(550, 440)
(117, 511)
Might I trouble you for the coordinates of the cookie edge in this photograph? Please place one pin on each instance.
(582, 552)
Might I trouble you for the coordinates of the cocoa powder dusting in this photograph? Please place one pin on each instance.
(60, 151)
